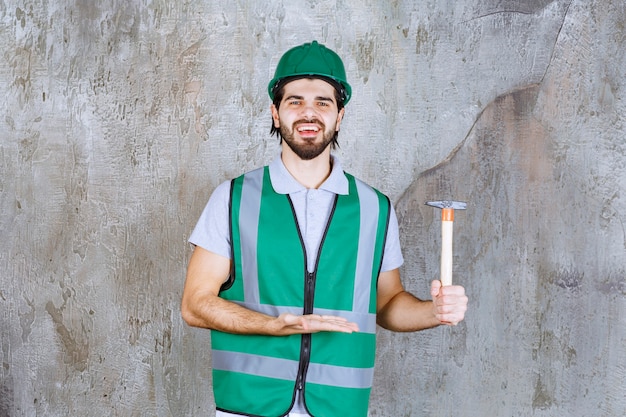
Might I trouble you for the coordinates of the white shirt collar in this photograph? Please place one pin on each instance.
(284, 183)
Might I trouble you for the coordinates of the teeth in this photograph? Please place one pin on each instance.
(308, 128)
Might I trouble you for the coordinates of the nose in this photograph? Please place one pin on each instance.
(308, 111)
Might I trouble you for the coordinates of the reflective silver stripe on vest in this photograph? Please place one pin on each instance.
(277, 368)
(339, 376)
(366, 322)
(250, 210)
(367, 242)
(270, 310)
(254, 364)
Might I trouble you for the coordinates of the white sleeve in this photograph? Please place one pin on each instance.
(212, 231)
(392, 257)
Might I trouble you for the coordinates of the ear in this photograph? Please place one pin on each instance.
(340, 118)
(275, 117)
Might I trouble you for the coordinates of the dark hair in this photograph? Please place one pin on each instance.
(280, 92)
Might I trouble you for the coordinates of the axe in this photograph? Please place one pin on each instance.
(447, 221)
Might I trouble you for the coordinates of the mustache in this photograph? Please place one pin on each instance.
(317, 122)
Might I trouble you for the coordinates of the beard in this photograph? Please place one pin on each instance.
(307, 149)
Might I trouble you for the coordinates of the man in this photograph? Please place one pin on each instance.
(295, 263)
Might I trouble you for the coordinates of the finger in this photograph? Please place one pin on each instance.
(451, 315)
(342, 325)
(328, 319)
(435, 287)
(330, 323)
(334, 318)
(453, 290)
(454, 307)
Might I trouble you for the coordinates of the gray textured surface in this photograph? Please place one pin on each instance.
(119, 118)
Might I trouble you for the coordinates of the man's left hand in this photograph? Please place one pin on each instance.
(449, 303)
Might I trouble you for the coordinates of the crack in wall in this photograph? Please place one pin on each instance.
(556, 41)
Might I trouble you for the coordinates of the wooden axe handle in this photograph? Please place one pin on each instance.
(447, 222)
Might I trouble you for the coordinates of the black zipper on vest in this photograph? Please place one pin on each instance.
(309, 294)
(305, 345)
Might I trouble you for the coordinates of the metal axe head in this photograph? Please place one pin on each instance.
(455, 205)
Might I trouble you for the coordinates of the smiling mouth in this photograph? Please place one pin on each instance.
(308, 129)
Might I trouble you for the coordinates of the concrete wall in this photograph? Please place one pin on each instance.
(118, 118)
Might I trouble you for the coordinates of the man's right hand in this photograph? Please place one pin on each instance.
(313, 323)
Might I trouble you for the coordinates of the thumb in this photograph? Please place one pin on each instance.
(435, 286)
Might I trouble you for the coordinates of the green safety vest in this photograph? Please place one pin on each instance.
(259, 375)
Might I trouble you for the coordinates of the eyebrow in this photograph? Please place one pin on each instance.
(318, 98)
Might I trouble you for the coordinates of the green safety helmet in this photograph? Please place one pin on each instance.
(311, 60)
